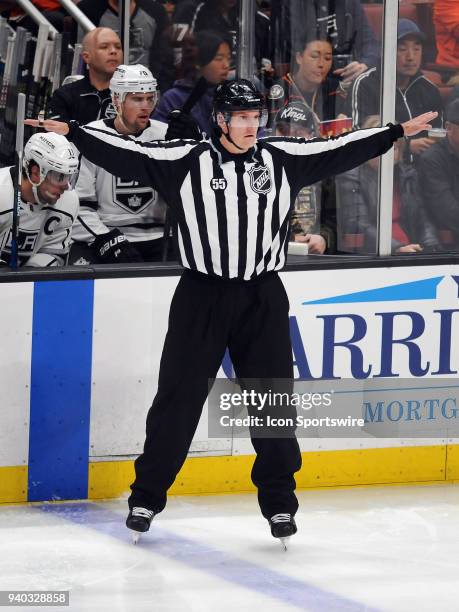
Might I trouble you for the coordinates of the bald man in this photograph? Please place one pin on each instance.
(89, 98)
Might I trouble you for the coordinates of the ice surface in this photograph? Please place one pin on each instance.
(376, 548)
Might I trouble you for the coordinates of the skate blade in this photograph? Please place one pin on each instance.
(284, 542)
(135, 537)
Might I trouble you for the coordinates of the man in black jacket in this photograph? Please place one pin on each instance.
(439, 172)
(415, 94)
(148, 23)
(412, 231)
(89, 99)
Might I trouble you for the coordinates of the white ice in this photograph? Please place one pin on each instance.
(376, 548)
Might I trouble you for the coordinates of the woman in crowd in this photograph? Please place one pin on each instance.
(312, 84)
(206, 54)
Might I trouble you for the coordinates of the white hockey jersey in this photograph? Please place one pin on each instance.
(108, 201)
(44, 229)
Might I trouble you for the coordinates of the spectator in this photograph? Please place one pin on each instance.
(148, 41)
(207, 54)
(50, 9)
(446, 21)
(415, 94)
(357, 192)
(181, 26)
(49, 204)
(439, 172)
(121, 220)
(222, 16)
(308, 222)
(312, 84)
(89, 99)
(355, 48)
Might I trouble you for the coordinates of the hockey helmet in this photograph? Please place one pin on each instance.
(238, 95)
(55, 156)
(132, 79)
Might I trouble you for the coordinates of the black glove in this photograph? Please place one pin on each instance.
(114, 247)
(182, 125)
(3, 264)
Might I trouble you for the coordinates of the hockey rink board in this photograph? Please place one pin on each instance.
(80, 364)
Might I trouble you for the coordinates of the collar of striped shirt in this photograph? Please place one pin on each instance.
(226, 156)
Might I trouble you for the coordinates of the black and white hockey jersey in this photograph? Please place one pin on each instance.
(233, 211)
(44, 229)
(108, 201)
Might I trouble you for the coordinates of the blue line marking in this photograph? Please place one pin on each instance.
(218, 563)
(60, 393)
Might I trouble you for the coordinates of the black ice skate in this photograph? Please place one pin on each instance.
(139, 520)
(282, 526)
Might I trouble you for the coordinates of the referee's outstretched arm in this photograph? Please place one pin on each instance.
(319, 158)
(161, 163)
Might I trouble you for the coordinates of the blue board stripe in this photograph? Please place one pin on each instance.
(60, 391)
(425, 289)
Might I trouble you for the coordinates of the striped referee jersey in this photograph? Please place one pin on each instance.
(232, 210)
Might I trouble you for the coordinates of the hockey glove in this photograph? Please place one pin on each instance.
(181, 125)
(114, 247)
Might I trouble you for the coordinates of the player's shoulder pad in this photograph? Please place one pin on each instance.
(156, 131)
(68, 204)
(6, 189)
(101, 125)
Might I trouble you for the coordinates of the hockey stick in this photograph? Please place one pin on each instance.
(4, 29)
(15, 86)
(34, 104)
(196, 94)
(18, 176)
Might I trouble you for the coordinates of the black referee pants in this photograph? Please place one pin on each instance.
(207, 315)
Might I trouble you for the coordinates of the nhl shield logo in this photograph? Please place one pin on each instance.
(260, 179)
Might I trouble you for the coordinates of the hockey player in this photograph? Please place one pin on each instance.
(232, 196)
(49, 203)
(120, 219)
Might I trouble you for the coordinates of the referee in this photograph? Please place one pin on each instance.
(232, 196)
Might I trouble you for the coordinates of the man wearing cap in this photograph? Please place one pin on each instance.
(415, 94)
(439, 175)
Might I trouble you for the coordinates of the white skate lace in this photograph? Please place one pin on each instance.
(148, 514)
(281, 518)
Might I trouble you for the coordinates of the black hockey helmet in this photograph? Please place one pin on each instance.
(238, 95)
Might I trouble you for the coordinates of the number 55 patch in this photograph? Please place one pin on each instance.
(218, 184)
